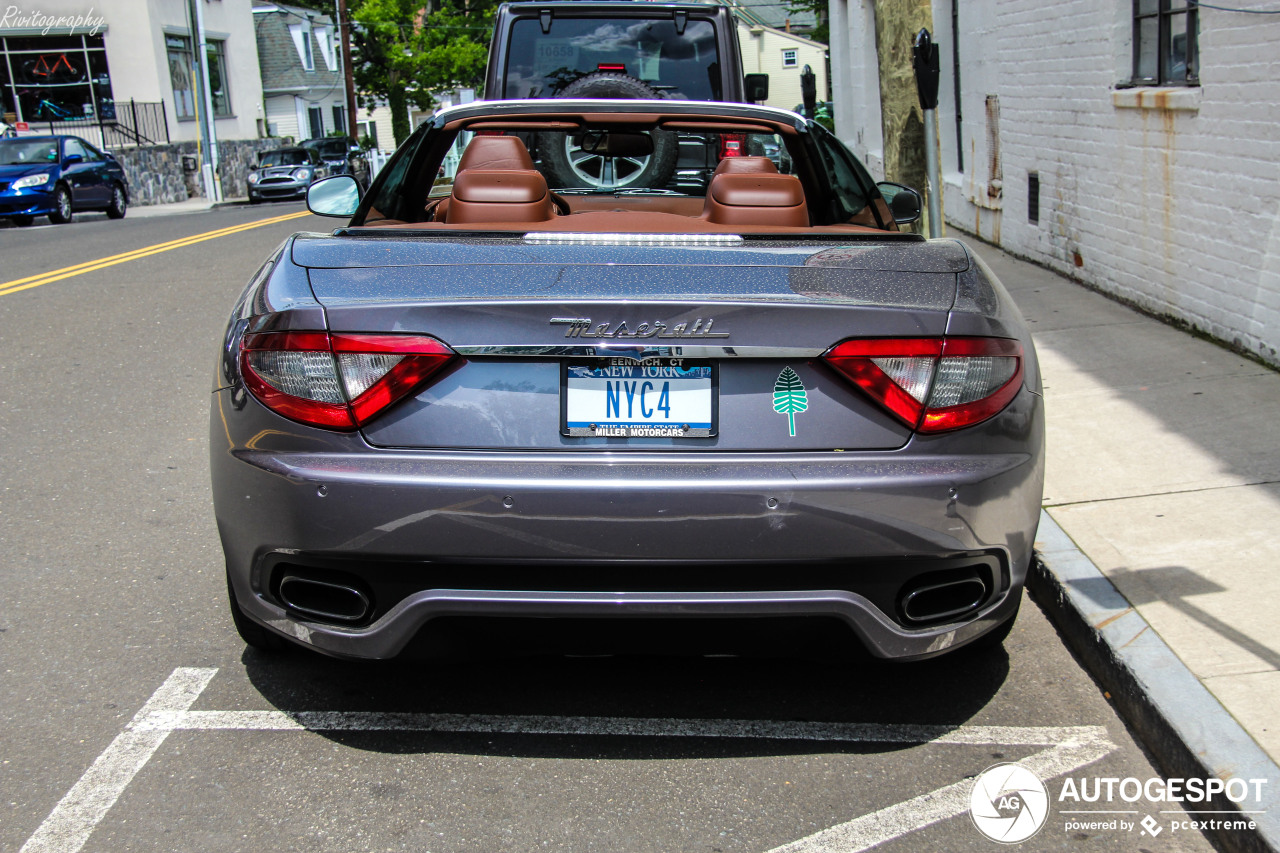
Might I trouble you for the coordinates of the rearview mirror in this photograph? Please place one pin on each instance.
(617, 143)
(904, 202)
(336, 196)
(72, 158)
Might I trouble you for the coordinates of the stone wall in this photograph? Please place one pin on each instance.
(156, 175)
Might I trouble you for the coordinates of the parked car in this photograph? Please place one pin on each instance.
(500, 397)
(342, 156)
(55, 176)
(284, 173)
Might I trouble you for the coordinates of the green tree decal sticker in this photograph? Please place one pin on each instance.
(789, 397)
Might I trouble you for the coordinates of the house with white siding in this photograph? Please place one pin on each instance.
(783, 56)
(302, 83)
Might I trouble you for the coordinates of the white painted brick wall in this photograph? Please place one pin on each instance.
(1175, 210)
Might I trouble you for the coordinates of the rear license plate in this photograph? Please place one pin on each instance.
(620, 398)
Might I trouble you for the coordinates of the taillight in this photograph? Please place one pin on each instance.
(340, 381)
(934, 384)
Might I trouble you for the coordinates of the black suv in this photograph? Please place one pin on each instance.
(342, 156)
(571, 49)
(561, 50)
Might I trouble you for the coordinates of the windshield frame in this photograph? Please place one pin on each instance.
(401, 193)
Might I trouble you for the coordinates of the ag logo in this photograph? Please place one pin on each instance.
(1009, 803)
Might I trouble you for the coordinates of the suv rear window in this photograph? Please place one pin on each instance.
(682, 65)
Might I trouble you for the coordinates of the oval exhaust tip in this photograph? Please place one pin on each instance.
(324, 600)
(938, 601)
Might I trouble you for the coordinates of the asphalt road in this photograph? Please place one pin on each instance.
(113, 586)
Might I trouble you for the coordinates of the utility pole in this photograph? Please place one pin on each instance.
(344, 27)
(208, 132)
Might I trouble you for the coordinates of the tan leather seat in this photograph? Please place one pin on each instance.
(489, 154)
(755, 199)
(745, 166)
(499, 195)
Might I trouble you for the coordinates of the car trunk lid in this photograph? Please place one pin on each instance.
(522, 316)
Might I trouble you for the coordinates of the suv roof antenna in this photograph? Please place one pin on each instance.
(544, 18)
(682, 18)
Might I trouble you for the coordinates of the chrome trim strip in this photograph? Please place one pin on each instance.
(570, 238)
(636, 352)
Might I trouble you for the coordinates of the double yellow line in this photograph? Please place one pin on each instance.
(101, 263)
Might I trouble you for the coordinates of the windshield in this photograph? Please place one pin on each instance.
(684, 65)
(286, 157)
(15, 152)
(331, 148)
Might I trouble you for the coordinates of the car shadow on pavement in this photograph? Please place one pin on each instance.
(550, 677)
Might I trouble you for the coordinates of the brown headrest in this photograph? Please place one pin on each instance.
(500, 186)
(495, 152)
(746, 166)
(761, 199)
(757, 190)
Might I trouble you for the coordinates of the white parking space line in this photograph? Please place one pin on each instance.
(67, 827)
(876, 828)
(168, 710)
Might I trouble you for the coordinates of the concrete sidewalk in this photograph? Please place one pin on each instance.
(191, 205)
(1163, 472)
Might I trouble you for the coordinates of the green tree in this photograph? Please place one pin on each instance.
(405, 51)
(817, 8)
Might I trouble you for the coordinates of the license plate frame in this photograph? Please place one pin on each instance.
(698, 415)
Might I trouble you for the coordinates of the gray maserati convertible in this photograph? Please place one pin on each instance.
(647, 360)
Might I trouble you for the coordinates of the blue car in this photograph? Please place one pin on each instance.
(55, 176)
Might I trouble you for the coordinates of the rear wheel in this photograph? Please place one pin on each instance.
(251, 632)
(61, 214)
(119, 204)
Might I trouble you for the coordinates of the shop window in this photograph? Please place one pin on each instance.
(1165, 49)
(218, 78)
(182, 71)
(54, 78)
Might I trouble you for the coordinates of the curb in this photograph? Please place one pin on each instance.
(1187, 730)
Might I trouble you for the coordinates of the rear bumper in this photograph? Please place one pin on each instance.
(729, 517)
(386, 637)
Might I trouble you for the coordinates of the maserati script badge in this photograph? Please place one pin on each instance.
(581, 327)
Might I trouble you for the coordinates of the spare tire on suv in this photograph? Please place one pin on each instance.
(569, 165)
